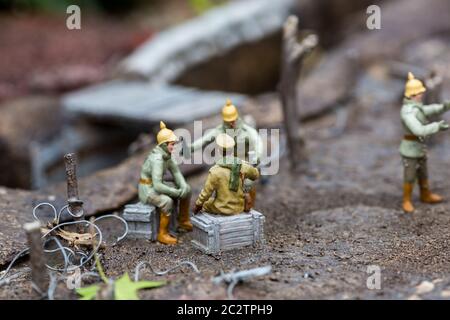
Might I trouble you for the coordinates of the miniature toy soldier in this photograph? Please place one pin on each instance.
(415, 118)
(244, 137)
(226, 181)
(153, 190)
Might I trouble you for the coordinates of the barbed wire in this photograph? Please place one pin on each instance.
(160, 273)
(69, 255)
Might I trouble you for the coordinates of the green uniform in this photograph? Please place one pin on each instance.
(417, 127)
(242, 134)
(225, 181)
(152, 188)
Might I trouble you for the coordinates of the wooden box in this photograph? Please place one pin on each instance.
(143, 221)
(215, 233)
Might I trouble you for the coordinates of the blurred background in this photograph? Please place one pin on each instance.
(96, 90)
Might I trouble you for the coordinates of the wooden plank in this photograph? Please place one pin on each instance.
(142, 102)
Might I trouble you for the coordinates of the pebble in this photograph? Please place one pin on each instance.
(424, 287)
(445, 294)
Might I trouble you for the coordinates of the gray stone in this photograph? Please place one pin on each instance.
(215, 233)
(171, 52)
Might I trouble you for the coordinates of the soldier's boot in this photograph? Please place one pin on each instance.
(249, 200)
(407, 196)
(163, 233)
(184, 221)
(253, 197)
(426, 195)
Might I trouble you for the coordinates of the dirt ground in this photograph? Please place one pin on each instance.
(323, 228)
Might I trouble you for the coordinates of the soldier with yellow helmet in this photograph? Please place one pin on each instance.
(244, 136)
(414, 116)
(226, 181)
(153, 190)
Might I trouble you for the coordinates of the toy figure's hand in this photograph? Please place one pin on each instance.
(184, 191)
(447, 105)
(179, 193)
(196, 209)
(443, 125)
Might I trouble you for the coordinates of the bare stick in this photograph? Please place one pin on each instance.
(293, 54)
(75, 204)
(39, 273)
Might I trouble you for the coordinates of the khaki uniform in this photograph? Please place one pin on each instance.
(219, 196)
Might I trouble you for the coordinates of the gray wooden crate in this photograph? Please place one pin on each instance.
(215, 233)
(143, 221)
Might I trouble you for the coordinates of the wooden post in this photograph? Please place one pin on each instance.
(39, 272)
(293, 53)
(75, 204)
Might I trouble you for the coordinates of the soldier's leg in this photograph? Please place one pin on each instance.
(409, 178)
(425, 194)
(250, 194)
(184, 217)
(165, 205)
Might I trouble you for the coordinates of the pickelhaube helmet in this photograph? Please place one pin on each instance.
(165, 135)
(229, 112)
(413, 86)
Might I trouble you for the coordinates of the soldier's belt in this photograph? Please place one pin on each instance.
(145, 181)
(411, 137)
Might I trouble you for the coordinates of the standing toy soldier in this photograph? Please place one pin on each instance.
(153, 190)
(414, 115)
(226, 180)
(243, 135)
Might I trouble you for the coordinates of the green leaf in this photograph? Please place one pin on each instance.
(125, 289)
(88, 293)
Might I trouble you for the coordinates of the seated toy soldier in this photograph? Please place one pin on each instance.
(415, 118)
(223, 192)
(153, 190)
(244, 136)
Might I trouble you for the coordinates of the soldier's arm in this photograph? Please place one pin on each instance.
(434, 109)
(157, 179)
(207, 191)
(257, 142)
(250, 172)
(146, 168)
(177, 175)
(417, 128)
(205, 140)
